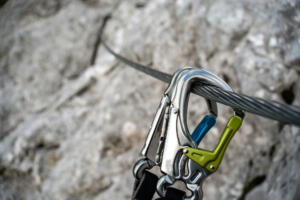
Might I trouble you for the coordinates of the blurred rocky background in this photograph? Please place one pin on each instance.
(73, 118)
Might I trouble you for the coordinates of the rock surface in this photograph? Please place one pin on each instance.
(73, 118)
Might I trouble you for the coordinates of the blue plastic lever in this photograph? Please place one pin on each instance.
(203, 127)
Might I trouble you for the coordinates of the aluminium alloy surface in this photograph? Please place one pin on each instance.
(174, 162)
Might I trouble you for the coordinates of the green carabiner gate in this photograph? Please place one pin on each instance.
(211, 160)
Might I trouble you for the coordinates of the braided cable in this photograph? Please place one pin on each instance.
(270, 109)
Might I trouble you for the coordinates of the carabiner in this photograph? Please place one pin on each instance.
(154, 143)
(178, 137)
(178, 134)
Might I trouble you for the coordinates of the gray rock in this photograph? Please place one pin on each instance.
(72, 127)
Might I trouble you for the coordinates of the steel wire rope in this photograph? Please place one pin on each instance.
(288, 114)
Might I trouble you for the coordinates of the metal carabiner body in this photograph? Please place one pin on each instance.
(154, 143)
(178, 134)
(174, 161)
(169, 143)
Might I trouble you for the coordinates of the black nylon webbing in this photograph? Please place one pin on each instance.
(173, 194)
(144, 188)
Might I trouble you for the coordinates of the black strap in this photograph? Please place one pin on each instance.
(173, 194)
(144, 188)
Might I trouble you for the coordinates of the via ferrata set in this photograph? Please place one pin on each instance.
(170, 146)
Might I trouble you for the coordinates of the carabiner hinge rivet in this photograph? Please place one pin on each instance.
(157, 158)
(175, 111)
